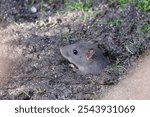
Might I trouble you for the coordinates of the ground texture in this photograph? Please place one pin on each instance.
(31, 66)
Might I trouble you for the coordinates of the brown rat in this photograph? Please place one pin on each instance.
(86, 56)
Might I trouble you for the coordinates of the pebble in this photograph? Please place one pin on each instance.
(33, 9)
(55, 76)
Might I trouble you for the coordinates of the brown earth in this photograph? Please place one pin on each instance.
(136, 85)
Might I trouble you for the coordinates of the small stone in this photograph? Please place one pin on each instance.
(33, 9)
(55, 76)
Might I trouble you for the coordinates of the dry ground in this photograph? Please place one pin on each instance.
(31, 66)
(135, 85)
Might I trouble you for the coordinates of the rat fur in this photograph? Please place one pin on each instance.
(86, 56)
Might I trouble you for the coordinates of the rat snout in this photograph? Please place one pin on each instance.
(64, 51)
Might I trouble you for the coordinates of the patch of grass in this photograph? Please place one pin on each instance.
(122, 1)
(79, 5)
(66, 36)
(41, 8)
(140, 46)
(143, 5)
(40, 90)
(112, 22)
(115, 22)
(89, 14)
(145, 28)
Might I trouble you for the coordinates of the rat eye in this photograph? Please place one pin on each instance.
(75, 52)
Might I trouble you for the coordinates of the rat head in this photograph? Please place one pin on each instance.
(80, 53)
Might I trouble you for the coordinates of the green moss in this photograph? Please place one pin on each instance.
(79, 6)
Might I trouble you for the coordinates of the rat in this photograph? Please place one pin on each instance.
(86, 56)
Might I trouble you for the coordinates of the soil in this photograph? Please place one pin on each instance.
(134, 86)
(31, 66)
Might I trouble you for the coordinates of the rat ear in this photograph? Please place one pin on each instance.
(89, 53)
